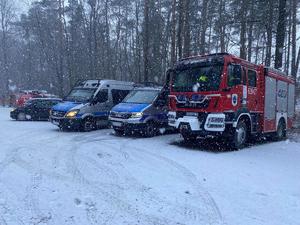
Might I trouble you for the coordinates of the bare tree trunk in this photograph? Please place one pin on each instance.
(173, 38)
(297, 62)
(108, 59)
(269, 28)
(294, 40)
(180, 27)
(250, 31)
(243, 13)
(186, 29)
(146, 40)
(222, 25)
(280, 36)
(6, 14)
(288, 51)
(138, 47)
(203, 26)
(60, 74)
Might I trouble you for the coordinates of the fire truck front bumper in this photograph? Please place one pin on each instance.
(211, 123)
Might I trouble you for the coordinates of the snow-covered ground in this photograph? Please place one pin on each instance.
(56, 178)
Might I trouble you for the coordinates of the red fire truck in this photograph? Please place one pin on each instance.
(223, 95)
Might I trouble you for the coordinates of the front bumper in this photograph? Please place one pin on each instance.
(127, 124)
(204, 124)
(13, 115)
(66, 122)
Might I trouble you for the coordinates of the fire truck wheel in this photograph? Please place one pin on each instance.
(241, 135)
(281, 131)
(188, 137)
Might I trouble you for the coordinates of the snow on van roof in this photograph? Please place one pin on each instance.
(117, 82)
(47, 99)
(148, 88)
(97, 83)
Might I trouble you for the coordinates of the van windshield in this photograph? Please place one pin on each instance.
(81, 94)
(204, 78)
(141, 96)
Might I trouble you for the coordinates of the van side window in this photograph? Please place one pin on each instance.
(49, 104)
(42, 104)
(39, 104)
(252, 76)
(119, 95)
(234, 75)
(102, 96)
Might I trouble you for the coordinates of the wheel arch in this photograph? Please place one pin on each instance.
(281, 117)
(244, 117)
(87, 115)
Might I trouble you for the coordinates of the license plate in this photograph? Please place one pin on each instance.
(117, 124)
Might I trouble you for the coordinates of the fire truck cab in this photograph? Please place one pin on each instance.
(223, 95)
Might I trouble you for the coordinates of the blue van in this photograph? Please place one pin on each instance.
(144, 110)
(88, 104)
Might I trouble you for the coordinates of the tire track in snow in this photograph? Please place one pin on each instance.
(40, 218)
(118, 204)
(213, 212)
(8, 211)
(140, 187)
(189, 211)
(212, 208)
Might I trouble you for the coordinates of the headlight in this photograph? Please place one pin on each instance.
(13, 110)
(72, 114)
(137, 115)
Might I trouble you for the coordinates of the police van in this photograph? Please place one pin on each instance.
(144, 110)
(88, 104)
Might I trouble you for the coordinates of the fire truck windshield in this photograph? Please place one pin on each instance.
(204, 78)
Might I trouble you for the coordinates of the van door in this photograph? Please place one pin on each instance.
(161, 107)
(101, 106)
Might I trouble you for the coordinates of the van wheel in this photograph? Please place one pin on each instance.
(281, 131)
(119, 132)
(21, 117)
(240, 136)
(89, 124)
(150, 130)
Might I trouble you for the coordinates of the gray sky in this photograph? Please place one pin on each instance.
(22, 5)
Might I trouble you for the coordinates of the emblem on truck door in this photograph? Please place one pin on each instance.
(234, 99)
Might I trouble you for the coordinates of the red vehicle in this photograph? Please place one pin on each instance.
(26, 95)
(223, 95)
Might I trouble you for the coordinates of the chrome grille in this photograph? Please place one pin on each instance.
(120, 115)
(56, 113)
